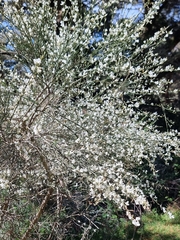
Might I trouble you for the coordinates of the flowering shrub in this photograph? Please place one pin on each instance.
(72, 119)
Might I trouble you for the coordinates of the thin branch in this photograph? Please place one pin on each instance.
(38, 215)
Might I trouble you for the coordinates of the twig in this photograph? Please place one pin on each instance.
(7, 52)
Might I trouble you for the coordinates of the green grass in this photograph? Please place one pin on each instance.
(154, 227)
(159, 226)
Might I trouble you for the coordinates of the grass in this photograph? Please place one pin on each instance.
(159, 226)
(154, 227)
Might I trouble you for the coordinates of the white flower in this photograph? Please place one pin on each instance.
(4, 183)
(38, 69)
(136, 104)
(152, 74)
(170, 215)
(164, 210)
(37, 61)
(136, 222)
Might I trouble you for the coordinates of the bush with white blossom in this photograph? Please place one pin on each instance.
(73, 117)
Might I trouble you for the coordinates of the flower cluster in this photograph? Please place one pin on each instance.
(75, 113)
